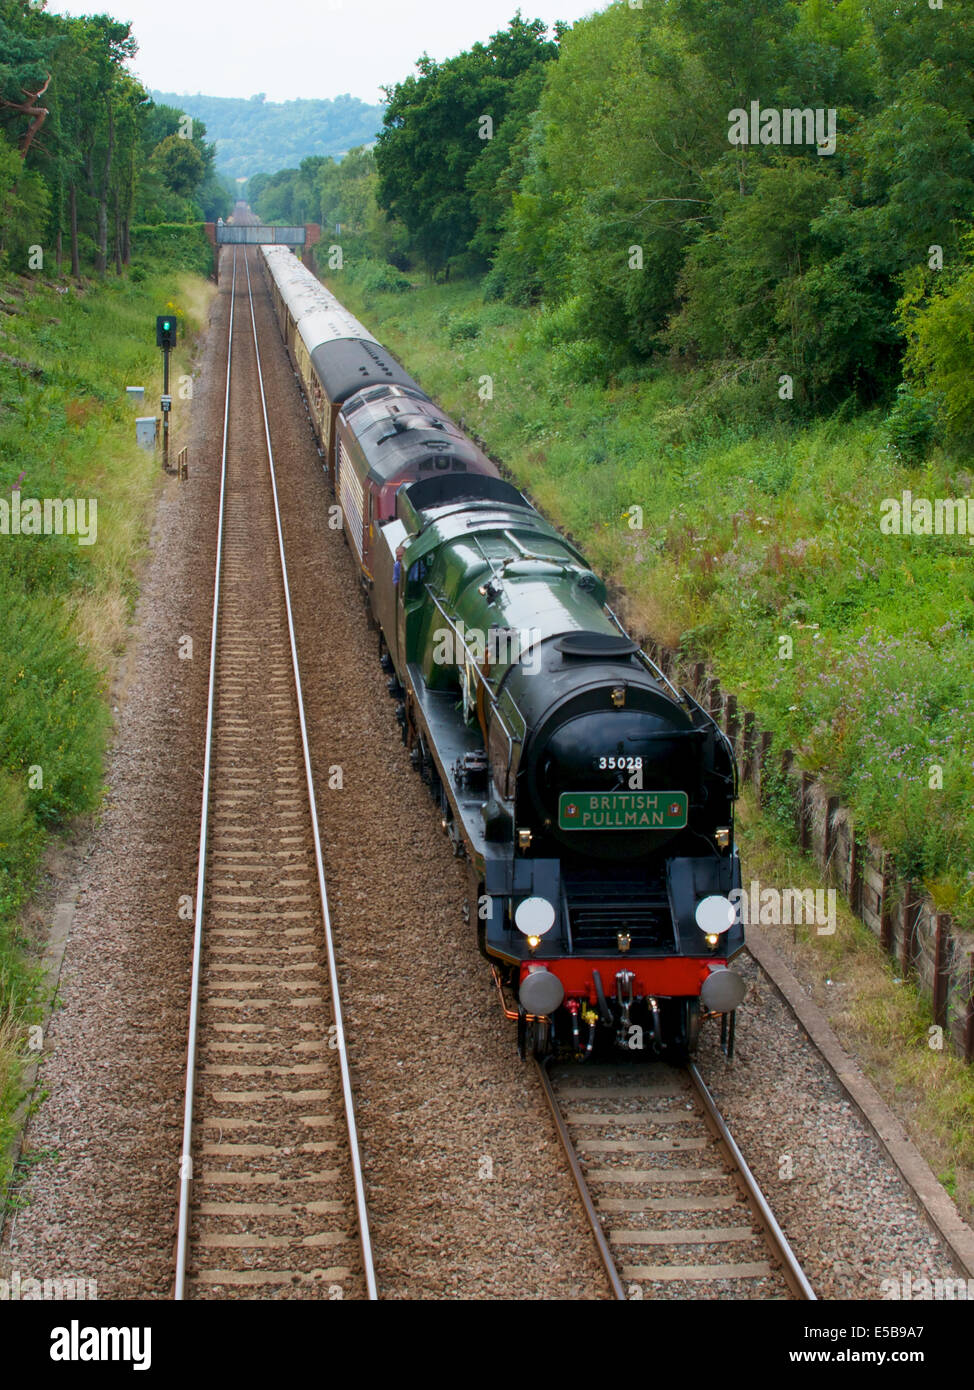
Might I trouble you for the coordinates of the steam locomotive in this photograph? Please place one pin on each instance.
(593, 801)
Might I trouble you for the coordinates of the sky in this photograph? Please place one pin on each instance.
(305, 48)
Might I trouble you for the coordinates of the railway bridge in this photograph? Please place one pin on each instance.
(240, 233)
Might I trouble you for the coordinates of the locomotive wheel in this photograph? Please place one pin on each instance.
(692, 1026)
(536, 1038)
(683, 1048)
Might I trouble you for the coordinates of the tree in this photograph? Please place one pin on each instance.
(488, 183)
(111, 44)
(180, 164)
(937, 318)
(436, 127)
(347, 198)
(614, 159)
(24, 207)
(85, 132)
(24, 79)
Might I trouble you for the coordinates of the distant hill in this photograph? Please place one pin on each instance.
(255, 136)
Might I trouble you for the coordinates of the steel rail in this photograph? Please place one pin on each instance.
(360, 1204)
(186, 1157)
(793, 1273)
(782, 1252)
(605, 1254)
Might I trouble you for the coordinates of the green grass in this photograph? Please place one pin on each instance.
(66, 431)
(753, 527)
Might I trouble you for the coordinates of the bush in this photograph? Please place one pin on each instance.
(496, 316)
(560, 323)
(462, 329)
(54, 718)
(24, 208)
(183, 246)
(940, 355)
(378, 277)
(584, 360)
(465, 266)
(910, 424)
(492, 287)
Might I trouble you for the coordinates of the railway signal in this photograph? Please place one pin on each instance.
(166, 330)
(166, 339)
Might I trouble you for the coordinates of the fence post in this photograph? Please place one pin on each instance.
(714, 697)
(909, 930)
(705, 694)
(831, 809)
(764, 747)
(855, 873)
(969, 1015)
(939, 972)
(803, 790)
(730, 720)
(885, 916)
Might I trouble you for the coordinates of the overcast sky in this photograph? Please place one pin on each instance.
(305, 48)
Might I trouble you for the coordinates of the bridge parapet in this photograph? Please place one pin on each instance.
(230, 234)
(254, 234)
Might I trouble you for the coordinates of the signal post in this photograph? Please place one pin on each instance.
(166, 339)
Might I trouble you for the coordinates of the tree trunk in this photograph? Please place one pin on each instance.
(101, 262)
(118, 236)
(59, 250)
(75, 261)
(101, 254)
(128, 204)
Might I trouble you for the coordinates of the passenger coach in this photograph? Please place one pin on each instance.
(334, 355)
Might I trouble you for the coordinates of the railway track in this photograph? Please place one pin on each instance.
(674, 1208)
(271, 1193)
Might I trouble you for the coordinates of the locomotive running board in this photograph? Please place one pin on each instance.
(449, 739)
